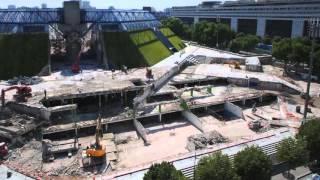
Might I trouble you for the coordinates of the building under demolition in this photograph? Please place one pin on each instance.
(94, 117)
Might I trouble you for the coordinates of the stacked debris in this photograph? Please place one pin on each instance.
(5, 113)
(201, 141)
(24, 80)
(26, 160)
(17, 128)
(70, 169)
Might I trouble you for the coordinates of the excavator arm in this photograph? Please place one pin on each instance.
(22, 92)
(98, 151)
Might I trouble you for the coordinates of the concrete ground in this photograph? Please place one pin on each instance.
(166, 140)
(170, 139)
(295, 173)
(226, 128)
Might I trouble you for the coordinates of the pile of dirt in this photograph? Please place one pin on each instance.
(201, 141)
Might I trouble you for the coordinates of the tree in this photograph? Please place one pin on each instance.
(252, 164)
(267, 40)
(203, 32)
(187, 32)
(300, 51)
(163, 171)
(216, 166)
(317, 62)
(244, 43)
(276, 39)
(310, 131)
(293, 151)
(175, 24)
(281, 50)
(210, 33)
(225, 34)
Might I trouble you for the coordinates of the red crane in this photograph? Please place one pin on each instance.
(21, 95)
(3, 150)
(76, 65)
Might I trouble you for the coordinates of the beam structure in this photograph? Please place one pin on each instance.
(115, 16)
(193, 119)
(30, 16)
(52, 16)
(141, 131)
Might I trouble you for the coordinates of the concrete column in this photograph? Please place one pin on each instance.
(141, 131)
(196, 20)
(126, 98)
(243, 102)
(261, 27)
(106, 98)
(49, 57)
(234, 24)
(160, 113)
(297, 28)
(193, 119)
(121, 97)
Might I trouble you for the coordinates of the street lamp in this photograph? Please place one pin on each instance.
(218, 21)
(314, 27)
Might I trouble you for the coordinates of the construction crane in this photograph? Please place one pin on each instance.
(23, 92)
(4, 152)
(95, 154)
(75, 68)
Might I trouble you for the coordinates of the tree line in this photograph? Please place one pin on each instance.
(212, 34)
(251, 163)
(294, 51)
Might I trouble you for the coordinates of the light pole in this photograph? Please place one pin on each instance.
(314, 26)
(217, 29)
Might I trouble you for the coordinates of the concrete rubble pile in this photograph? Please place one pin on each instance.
(27, 159)
(13, 126)
(70, 169)
(25, 80)
(201, 141)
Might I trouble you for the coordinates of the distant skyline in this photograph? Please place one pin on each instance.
(118, 4)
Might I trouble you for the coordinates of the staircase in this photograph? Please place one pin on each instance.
(188, 172)
(193, 60)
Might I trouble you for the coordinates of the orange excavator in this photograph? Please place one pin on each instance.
(23, 92)
(233, 64)
(96, 153)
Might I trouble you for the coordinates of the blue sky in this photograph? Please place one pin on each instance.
(120, 4)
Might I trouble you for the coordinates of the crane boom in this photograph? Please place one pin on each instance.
(22, 93)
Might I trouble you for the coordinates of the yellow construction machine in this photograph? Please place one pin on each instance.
(96, 153)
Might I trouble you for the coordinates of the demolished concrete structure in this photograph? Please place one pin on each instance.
(192, 92)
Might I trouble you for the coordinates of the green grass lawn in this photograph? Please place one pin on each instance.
(167, 32)
(174, 39)
(134, 49)
(23, 54)
(142, 37)
(154, 52)
(122, 51)
(149, 46)
(177, 43)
